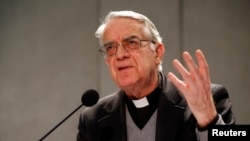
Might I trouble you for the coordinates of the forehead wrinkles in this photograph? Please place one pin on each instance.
(119, 28)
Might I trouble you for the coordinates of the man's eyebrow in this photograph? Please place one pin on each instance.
(108, 42)
(130, 37)
(126, 38)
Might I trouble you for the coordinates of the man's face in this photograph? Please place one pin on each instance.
(130, 69)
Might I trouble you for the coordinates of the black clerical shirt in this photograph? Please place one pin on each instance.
(142, 115)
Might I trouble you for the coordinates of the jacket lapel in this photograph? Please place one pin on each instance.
(170, 114)
(112, 126)
(169, 118)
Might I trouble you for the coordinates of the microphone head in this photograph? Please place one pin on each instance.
(90, 97)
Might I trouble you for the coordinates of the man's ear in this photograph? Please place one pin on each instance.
(160, 51)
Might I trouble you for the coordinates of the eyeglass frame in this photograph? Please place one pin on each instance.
(115, 45)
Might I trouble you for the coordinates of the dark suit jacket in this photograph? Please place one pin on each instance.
(106, 120)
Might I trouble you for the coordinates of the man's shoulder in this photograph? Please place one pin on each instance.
(111, 99)
(105, 104)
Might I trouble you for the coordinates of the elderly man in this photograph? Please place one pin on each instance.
(149, 105)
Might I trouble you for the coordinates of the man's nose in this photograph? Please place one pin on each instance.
(121, 52)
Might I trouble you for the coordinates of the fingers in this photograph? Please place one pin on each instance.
(194, 73)
(203, 65)
(192, 67)
(184, 73)
(177, 82)
(189, 61)
(181, 69)
(191, 74)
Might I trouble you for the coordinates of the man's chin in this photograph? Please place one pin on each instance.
(123, 84)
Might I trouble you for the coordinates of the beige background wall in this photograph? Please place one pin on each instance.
(49, 57)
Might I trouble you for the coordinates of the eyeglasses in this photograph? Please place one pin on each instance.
(129, 44)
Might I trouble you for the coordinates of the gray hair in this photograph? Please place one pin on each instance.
(149, 29)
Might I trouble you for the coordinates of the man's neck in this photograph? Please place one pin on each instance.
(140, 91)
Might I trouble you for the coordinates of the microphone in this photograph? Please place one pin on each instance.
(89, 98)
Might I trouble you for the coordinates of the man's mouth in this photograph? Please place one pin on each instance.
(124, 68)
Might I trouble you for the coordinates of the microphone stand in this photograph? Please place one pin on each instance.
(60, 123)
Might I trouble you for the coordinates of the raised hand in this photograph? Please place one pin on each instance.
(195, 87)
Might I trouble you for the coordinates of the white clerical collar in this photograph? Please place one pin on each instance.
(140, 103)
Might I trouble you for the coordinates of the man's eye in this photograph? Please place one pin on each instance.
(108, 47)
(133, 42)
